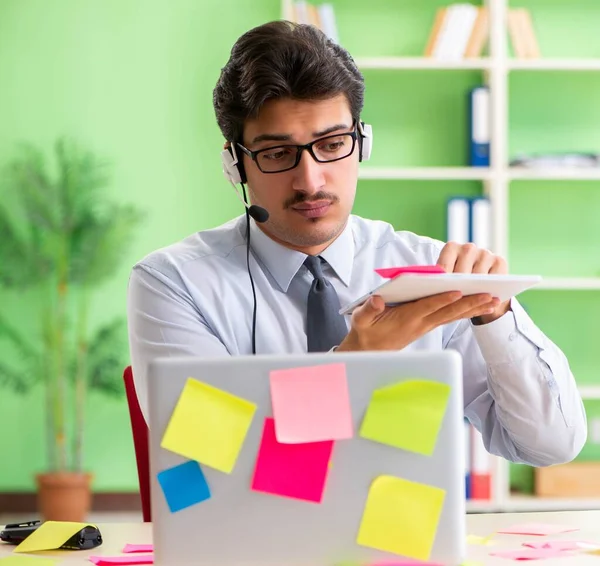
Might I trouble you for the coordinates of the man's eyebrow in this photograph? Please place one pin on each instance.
(288, 137)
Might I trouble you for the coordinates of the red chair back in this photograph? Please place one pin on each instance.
(139, 428)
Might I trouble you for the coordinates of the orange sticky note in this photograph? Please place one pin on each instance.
(49, 536)
(311, 404)
(401, 517)
(291, 470)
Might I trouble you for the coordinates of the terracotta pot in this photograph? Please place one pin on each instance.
(64, 496)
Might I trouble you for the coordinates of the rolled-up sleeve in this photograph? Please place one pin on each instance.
(163, 321)
(519, 390)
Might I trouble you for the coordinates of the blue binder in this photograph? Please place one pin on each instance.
(479, 126)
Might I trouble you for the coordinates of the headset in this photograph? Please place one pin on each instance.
(233, 171)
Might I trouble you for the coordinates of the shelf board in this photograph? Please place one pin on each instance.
(431, 173)
(421, 63)
(589, 391)
(554, 65)
(554, 174)
(533, 503)
(569, 284)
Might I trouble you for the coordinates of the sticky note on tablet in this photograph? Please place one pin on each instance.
(208, 425)
(311, 404)
(298, 471)
(401, 517)
(183, 486)
(407, 415)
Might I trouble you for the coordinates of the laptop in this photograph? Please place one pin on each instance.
(256, 489)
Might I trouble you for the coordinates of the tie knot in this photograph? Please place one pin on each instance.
(313, 264)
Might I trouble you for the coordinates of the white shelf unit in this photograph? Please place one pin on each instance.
(496, 183)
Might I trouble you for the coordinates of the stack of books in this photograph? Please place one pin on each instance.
(478, 469)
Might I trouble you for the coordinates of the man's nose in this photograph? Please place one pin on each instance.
(308, 174)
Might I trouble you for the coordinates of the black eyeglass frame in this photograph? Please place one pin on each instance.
(299, 149)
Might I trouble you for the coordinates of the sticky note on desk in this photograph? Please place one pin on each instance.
(26, 561)
(183, 485)
(407, 415)
(311, 404)
(208, 425)
(539, 529)
(50, 535)
(530, 553)
(120, 560)
(298, 471)
(401, 517)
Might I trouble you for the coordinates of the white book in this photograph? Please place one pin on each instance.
(458, 218)
(327, 16)
(481, 223)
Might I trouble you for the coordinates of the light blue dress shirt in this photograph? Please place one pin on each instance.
(194, 298)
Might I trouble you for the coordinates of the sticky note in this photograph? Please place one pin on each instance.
(562, 544)
(539, 529)
(208, 425)
(401, 517)
(529, 553)
(138, 548)
(50, 535)
(183, 485)
(311, 404)
(26, 561)
(113, 560)
(298, 471)
(407, 415)
(477, 540)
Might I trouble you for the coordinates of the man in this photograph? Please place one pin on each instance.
(288, 103)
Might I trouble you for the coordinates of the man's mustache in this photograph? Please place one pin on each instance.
(301, 197)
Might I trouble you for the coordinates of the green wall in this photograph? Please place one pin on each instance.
(133, 79)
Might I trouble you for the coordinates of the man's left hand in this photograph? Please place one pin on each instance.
(468, 258)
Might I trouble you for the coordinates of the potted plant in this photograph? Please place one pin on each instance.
(61, 238)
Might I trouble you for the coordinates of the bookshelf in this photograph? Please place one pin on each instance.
(500, 182)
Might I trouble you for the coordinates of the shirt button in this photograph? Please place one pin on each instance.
(512, 336)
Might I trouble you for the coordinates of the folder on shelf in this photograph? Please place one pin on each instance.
(458, 220)
(481, 473)
(479, 126)
(481, 222)
(467, 425)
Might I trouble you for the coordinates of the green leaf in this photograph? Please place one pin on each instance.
(107, 358)
(18, 381)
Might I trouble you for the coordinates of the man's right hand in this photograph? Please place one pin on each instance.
(377, 327)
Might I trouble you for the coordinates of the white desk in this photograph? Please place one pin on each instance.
(116, 535)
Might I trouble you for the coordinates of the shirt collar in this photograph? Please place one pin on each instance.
(283, 263)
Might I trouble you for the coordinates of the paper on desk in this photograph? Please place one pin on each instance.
(291, 470)
(530, 553)
(26, 561)
(562, 544)
(540, 529)
(407, 415)
(401, 517)
(183, 485)
(208, 425)
(50, 535)
(311, 404)
(113, 560)
(138, 548)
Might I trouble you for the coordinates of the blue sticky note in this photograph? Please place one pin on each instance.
(183, 485)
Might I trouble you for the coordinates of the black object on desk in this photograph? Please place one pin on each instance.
(84, 539)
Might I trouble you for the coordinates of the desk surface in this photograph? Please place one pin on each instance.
(116, 535)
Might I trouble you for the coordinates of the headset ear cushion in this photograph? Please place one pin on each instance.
(233, 170)
(366, 146)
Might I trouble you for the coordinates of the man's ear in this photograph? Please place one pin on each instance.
(226, 145)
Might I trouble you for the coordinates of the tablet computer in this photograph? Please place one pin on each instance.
(407, 287)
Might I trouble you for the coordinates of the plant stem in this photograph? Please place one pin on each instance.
(80, 381)
(47, 367)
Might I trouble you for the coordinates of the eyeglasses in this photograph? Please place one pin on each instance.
(285, 157)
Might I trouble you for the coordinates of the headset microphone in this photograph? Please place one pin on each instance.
(259, 213)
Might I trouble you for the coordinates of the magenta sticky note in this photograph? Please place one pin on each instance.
(539, 529)
(530, 553)
(562, 544)
(391, 272)
(311, 404)
(114, 560)
(298, 471)
(138, 548)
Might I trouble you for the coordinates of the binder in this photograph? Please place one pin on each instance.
(481, 477)
(479, 126)
(481, 222)
(458, 220)
(467, 425)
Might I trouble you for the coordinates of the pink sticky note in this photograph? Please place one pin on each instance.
(113, 560)
(530, 553)
(539, 529)
(138, 548)
(391, 272)
(562, 544)
(311, 404)
(291, 470)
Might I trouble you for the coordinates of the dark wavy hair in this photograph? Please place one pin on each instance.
(281, 59)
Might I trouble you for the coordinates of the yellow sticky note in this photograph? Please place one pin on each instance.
(477, 540)
(407, 415)
(208, 425)
(26, 561)
(50, 535)
(401, 517)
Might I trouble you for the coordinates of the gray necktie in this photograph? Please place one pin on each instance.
(325, 326)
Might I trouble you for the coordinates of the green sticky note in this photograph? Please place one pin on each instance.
(407, 415)
(26, 561)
